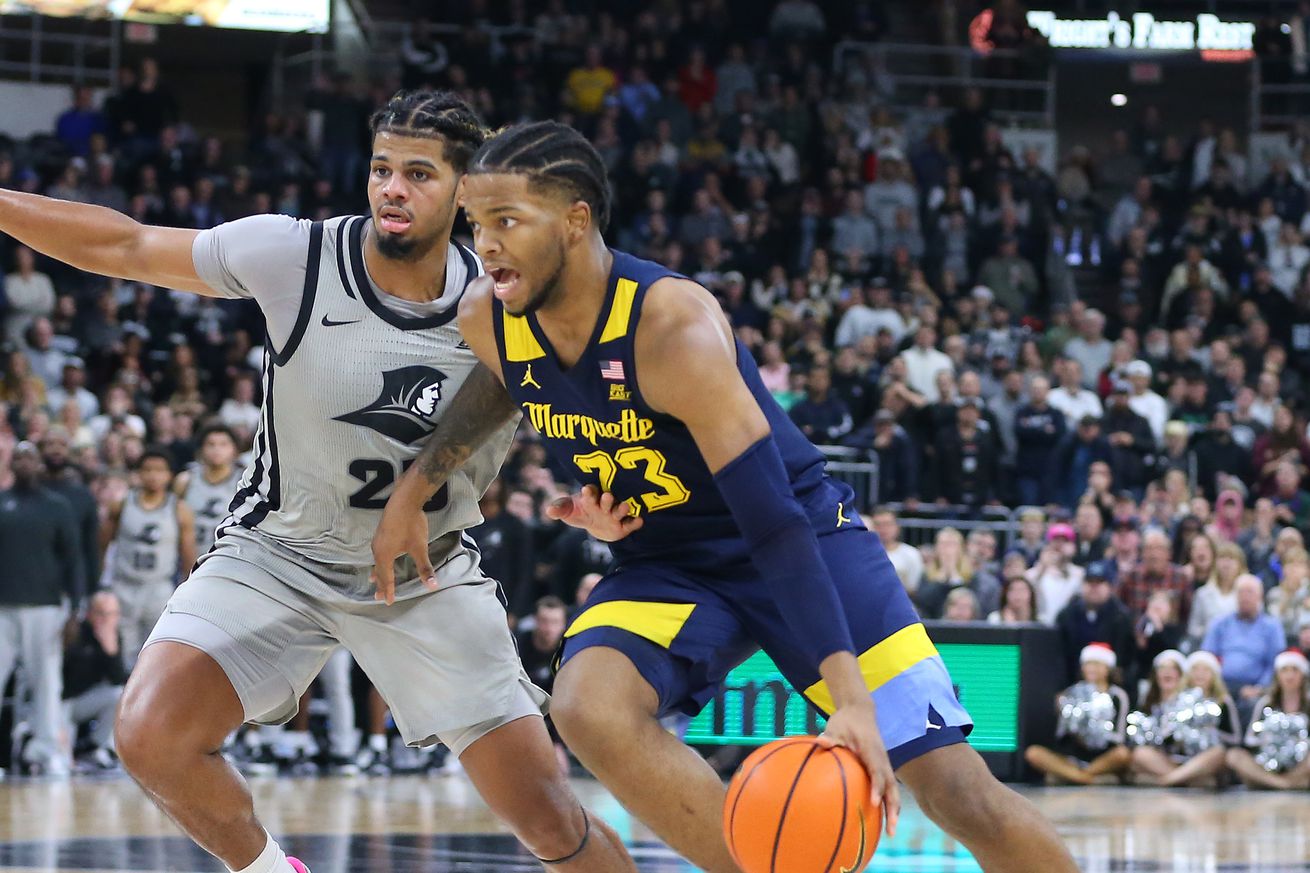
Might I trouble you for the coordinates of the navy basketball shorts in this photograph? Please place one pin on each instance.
(684, 631)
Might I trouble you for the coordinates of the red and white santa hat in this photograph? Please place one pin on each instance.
(1292, 658)
(1171, 656)
(1209, 659)
(1098, 653)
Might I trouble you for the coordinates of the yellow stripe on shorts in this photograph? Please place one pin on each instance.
(882, 662)
(658, 622)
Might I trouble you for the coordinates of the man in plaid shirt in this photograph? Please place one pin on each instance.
(1156, 573)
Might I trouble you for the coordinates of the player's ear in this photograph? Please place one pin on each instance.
(578, 220)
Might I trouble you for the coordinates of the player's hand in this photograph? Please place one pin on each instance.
(856, 728)
(403, 530)
(600, 515)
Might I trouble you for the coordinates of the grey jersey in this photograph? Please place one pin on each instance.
(354, 382)
(146, 546)
(209, 502)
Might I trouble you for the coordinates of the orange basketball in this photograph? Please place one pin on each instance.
(796, 807)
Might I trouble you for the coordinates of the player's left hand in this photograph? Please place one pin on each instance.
(601, 515)
(855, 727)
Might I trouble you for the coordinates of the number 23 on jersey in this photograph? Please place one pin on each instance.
(671, 491)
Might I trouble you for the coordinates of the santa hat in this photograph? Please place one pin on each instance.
(1209, 659)
(1170, 656)
(1098, 653)
(1292, 658)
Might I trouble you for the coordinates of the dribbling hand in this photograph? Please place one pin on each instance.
(401, 531)
(855, 727)
(600, 515)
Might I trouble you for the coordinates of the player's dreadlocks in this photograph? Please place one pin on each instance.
(434, 114)
(550, 153)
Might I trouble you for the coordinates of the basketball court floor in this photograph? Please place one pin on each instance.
(436, 824)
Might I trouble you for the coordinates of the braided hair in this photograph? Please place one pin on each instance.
(433, 115)
(550, 153)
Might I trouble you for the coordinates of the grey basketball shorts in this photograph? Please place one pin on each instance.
(444, 661)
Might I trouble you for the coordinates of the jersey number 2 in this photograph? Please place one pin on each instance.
(378, 474)
(672, 492)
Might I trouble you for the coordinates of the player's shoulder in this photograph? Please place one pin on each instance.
(680, 313)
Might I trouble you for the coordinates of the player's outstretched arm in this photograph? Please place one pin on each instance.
(100, 240)
(683, 323)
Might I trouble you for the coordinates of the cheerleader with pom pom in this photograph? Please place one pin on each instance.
(1092, 720)
(1193, 729)
(1277, 743)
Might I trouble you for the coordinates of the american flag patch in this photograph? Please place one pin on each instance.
(612, 370)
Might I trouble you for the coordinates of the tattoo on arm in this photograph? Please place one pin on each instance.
(480, 408)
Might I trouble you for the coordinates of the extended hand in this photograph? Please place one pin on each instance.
(854, 727)
(403, 530)
(600, 515)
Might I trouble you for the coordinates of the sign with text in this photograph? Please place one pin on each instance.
(1142, 31)
(756, 704)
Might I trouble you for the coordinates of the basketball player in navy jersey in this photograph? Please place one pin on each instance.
(361, 357)
(632, 376)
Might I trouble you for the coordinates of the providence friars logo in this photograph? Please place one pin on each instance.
(404, 409)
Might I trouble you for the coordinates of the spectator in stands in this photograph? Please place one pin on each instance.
(1018, 603)
(1284, 443)
(967, 460)
(1291, 502)
(822, 415)
(46, 359)
(1055, 577)
(1216, 594)
(28, 294)
(1090, 348)
(1074, 460)
(1289, 601)
(898, 459)
(1095, 615)
(923, 362)
(1091, 541)
(1032, 534)
(1157, 630)
(1129, 436)
(1009, 275)
(1246, 642)
(1218, 455)
(1039, 428)
(907, 560)
(1076, 402)
(1156, 572)
(506, 546)
(94, 676)
(71, 390)
(949, 568)
(961, 605)
(1288, 695)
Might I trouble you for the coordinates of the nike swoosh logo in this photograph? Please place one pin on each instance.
(327, 322)
(934, 727)
(859, 814)
(462, 345)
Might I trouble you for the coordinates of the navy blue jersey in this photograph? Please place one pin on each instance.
(593, 420)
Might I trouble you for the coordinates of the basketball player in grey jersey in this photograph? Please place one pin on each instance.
(361, 356)
(208, 486)
(152, 535)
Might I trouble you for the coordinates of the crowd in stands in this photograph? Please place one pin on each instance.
(1118, 344)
